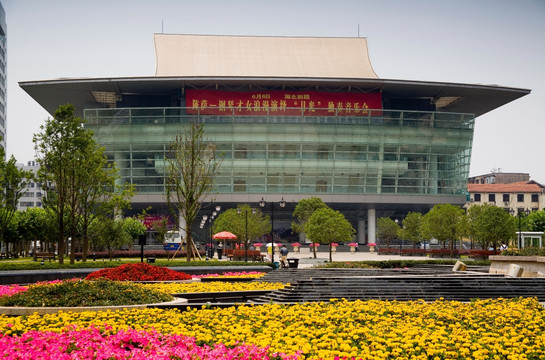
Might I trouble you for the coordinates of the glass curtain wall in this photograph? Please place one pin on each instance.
(387, 152)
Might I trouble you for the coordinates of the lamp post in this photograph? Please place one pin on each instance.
(282, 204)
(210, 252)
(400, 241)
(239, 211)
(519, 215)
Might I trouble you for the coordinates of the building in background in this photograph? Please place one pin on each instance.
(3, 76)
(32, 194)
(523, 196)
(294, 117)
(497, 177)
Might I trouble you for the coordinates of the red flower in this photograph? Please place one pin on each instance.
(139, 272)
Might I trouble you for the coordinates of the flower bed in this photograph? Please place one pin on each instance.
(214, 286)
(139, 272)
(78, 293)
(241, 274)
(483, 329)
(126, 344)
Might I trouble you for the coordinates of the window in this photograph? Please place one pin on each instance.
(321, 186)
(241, 152)
(520, 197)
(240, 186)
(477, 197)
(506, 197)
(492, 198)
(535, 198)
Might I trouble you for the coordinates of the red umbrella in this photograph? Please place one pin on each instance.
(225, 235)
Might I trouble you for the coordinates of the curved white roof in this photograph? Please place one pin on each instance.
(255, 56)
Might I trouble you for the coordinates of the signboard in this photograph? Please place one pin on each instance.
(295, 103)
(149, 221)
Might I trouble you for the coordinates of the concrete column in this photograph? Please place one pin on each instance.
(372, 225)
(120, 160)
(361, 231)
(434, 175)
(182, 227)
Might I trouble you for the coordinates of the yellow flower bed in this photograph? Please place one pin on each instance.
(213, 286)
(487, 329)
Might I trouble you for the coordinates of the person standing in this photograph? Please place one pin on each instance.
(220, 250)
(284, 255)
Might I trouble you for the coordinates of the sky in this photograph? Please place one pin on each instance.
(460, 41)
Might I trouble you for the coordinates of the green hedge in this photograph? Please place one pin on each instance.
(29, 264)
(393, 264)
(530, 251)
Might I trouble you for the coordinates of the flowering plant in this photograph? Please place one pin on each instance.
(8, 290)
(92, 343)
(314, 244)
(70, 293)
(138, 272)
(244, 274)
(372, 244)
(295, 244)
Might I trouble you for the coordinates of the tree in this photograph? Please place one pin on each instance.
(112, 236)
(230, 220)
(161, 228)
(326, 226)
(411, 228)
(490, 225)
(75, 174)
(536, 220)
(387, 229)
(12, 181)
(134, 227)
(33, 225)
(446, 223)
(303, 211)
(191, 165)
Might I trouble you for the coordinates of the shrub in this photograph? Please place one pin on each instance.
(529, 251)
(138, 272)
(84, 293)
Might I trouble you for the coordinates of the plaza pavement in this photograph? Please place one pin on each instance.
(307, 260)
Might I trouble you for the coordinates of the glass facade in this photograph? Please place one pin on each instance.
(386, 152)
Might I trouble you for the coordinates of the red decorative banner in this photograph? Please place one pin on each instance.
(150, 220)
(295, 103)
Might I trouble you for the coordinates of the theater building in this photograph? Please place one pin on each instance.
(294, 117)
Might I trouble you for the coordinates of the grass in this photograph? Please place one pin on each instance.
(29, 264)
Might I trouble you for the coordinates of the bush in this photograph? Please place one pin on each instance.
(138, 272)
(134, 254)
(84, 293)
(393, 264)
(529, 251)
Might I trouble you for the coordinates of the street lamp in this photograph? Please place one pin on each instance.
(282, 204)
(239, 211)
(400, 241)
(205, 217)
(519, 215)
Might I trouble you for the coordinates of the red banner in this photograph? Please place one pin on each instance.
(295, 103)
(149, 221)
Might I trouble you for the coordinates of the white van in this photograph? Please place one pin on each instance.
(173, 240)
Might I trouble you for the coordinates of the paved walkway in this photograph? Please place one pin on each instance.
(306, 257)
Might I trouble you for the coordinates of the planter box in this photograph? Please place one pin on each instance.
(533, 266)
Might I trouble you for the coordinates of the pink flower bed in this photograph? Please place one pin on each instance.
(128, 344)
(8, 290)
(231, 274)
